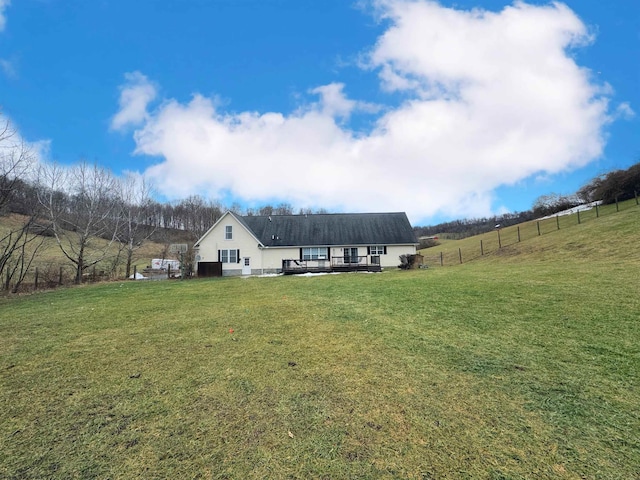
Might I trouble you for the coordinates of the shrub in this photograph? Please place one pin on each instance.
(428, 243)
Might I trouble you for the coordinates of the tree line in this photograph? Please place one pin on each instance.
(612, 187)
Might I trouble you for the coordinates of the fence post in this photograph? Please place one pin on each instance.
(597, 211)
(460, 254)
(617, 205)
(135, 272)
(481, 248)
(538, 223)
(635, 194)
(441, 260)
(558, 221)
(35, 281)
(518, 233)
(169, 271)
(499, 240)
(578, 217)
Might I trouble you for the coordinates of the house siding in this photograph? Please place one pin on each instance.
(268, 259)
(242, 240)
(272, 258)
(390, 259)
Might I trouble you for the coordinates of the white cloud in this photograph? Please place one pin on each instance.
(8, 68)
(625, 111)
(3, 19)
(491, 99)
(17, 155)
(334, 103)
(135, 96)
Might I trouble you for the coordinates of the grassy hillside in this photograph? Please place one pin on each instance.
(50, 258)
(520, 364)
(586, 237)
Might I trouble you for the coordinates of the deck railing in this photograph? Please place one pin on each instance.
(347, 261)
(339, 263)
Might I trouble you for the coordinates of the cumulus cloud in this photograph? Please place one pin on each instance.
(135, 96)
(491, 98)
(3, 18)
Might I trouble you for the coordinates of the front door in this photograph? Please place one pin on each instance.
(246, 266)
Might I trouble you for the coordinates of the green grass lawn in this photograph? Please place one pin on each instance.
(524, 364)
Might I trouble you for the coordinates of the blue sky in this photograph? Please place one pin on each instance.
(442, 109)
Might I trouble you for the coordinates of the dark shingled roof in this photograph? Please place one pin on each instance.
(332, 229)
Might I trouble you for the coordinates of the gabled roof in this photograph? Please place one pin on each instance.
(228, 213)
(331, 229)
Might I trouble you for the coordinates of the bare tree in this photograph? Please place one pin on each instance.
(236, 208)
(214, 212)
(18, 245)
(192, 214)
(80, 203)
(283, 208)
(18, 249)
(266, 210)
(16, 162)
(135, 210)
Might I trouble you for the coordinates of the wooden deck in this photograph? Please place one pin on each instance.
(337, 264)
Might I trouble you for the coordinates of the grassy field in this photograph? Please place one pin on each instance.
(521, 364)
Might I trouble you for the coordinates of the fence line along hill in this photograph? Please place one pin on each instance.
(603, 233)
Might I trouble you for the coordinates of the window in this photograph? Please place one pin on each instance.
(228, 232)
(315, 253)
(229, 256)
(376, 250)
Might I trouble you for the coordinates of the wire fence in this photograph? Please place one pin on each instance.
(45, 276)
(494, 242)
(48, 276)
(55, 275)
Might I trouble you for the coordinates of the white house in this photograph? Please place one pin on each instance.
(249, 245)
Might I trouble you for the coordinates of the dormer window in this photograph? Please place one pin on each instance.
(228, 232)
